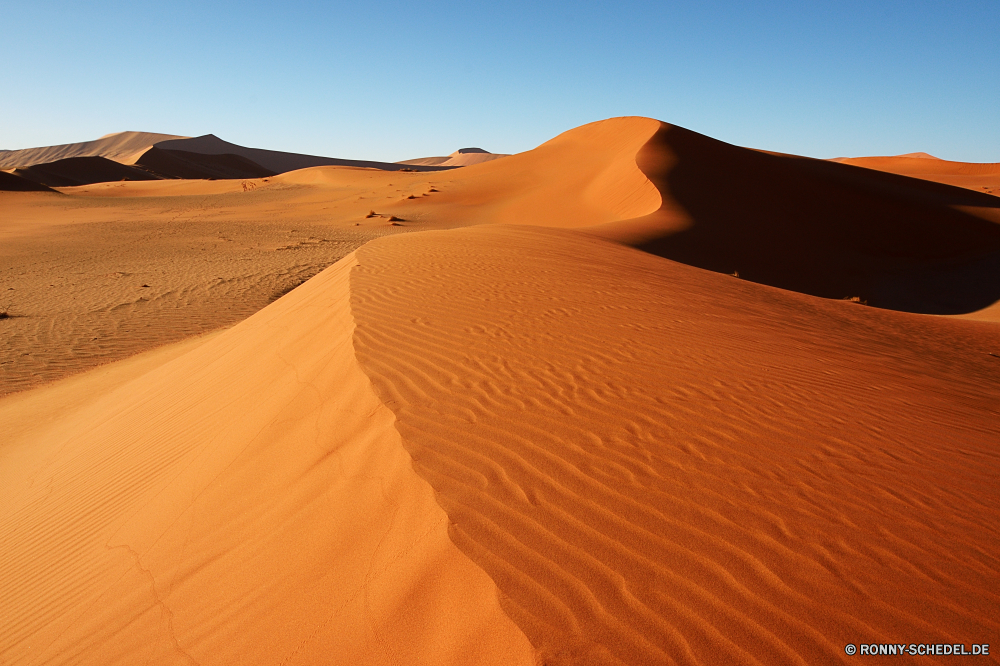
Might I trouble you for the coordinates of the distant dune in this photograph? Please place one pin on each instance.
(274, 160)
(74, 171)
(979, 177)
(461, 157)
(120, 147)
(813, 226)
(10, 182)
(621, 399)
(168, 156)
(182, 164)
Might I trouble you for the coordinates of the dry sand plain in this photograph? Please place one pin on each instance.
(605, 404)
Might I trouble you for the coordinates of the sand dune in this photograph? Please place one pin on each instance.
(174, 157)
(248, 500)
(181, 164)
(983, 178)
(817, 227)
(74, 171)
(584, 177)
(276, 161)
(659, 464)
(108, 270)
(119, 147)
(10, 182)
(812, 226)
(508, 437)
(461, 157)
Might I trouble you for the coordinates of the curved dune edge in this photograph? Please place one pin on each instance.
(246, 500)
(816, 227)
(660, 464)
(583, 177)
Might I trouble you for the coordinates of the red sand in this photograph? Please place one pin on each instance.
(518, 442)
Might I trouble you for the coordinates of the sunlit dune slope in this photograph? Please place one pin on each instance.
(120, 147)
(583, 177)
(461, 157)
(659, 464)
(245, 502)
(813, 226)
(983, 177)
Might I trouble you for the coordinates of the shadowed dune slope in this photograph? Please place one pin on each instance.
(982, 177)
(818, 227)
(181, 164)
(119, 147)
(807, 225)
(659, 464)
(10, 182)
(245, 502)
(274, 160)
(74, 171)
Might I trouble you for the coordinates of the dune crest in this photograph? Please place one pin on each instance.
(584, 177)
(817, 227)
(120, 147)
(247, 501)
(659, 464)
(979, 177)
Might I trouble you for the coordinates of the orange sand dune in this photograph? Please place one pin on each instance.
(101, 272)
(584, 177)
(822, 228)
(275, 160)
(74, 171)
(10, 182)
(502, 444)
(181, 164)
(119, 147)
(659, 464)
(979, 177)
(461, 157)
(808, 225)
(247, 501)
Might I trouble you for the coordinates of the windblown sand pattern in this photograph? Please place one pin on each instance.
(657, 464)
(508, 437)
(246, 501)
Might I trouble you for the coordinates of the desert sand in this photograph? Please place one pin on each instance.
(979, 177)
(602, 402)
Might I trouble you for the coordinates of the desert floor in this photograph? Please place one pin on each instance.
(608, 401)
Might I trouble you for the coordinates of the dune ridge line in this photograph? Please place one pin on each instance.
(246, 501)
(660, 464)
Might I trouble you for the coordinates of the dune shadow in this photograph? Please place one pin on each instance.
(825, 228)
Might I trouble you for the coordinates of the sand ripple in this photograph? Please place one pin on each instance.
(658, 464)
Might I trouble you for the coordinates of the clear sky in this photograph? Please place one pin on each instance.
(393, 80)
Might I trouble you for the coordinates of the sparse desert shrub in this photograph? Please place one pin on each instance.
(371, 213)
(393, 218)
(855, 299)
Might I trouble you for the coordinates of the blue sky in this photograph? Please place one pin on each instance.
(395, 80)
